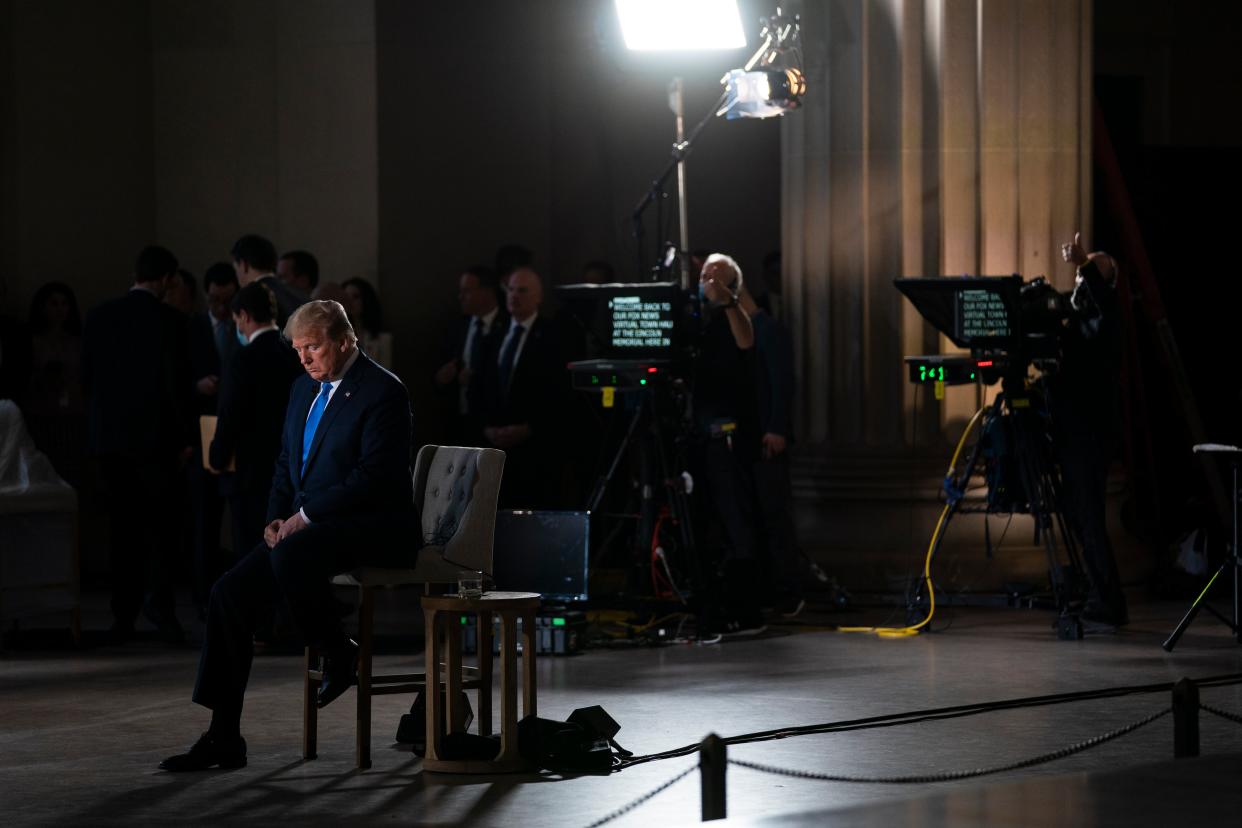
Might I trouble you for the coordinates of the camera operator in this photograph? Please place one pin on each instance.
(727, 418)
(1085, 408)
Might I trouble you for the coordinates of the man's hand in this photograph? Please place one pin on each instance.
(208, 385)
(291, 524)
(773, 445)
(271, 533)
(447, 373)
(1074, 252)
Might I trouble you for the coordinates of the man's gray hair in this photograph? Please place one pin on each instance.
(729, 261)
(325, 315)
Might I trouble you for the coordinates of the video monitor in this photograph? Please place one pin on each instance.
(544, 552)
(626, 321)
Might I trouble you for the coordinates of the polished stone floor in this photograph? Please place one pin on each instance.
(81, 732)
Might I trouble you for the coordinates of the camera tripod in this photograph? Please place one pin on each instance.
(1022, 476)
(645, 437)
(1231, 560)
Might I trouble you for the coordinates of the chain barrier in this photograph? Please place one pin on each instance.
(625, 809)
(1224, 714)
(962, 774)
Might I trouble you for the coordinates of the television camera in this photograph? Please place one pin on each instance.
(1008, 326)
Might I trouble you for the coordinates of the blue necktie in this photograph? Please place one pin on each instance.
(507, 358)
(312, 422)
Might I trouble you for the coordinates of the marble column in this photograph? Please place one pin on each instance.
(937, 137)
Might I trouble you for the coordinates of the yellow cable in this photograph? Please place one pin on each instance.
(905, 632)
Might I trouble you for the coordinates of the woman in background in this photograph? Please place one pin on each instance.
(54, 408)
(363, 307)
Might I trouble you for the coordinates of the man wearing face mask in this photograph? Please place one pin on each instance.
(253, 398)
(1085, 409)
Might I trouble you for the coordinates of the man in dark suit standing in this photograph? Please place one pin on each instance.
(251, 414)
(136, 373)
(205, 505)
(527, 398)
(341, 497)
(471, 352)
(221, 285)
(254, 259)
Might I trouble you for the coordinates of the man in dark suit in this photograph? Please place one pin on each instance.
(299, 269)
(471, 352)
(254, 259)
(136, 373)
(221, 285)
(527, 398)
(205, 505)
(341, 498)
(253, 397)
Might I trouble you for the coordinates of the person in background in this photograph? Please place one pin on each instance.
(299, 269)
(1085, 405)
(136, 374)
(598, 273)
(727, 419)
(509, 257)
(526, 398)
(330, 291)
(253, 399)
(363, 307)
(470, 353)
(54, 408)
(199, 505)
(182, 292)
(254, 259)
(774, 377)
(220, 283)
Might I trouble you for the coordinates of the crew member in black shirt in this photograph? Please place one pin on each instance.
(1085, 409)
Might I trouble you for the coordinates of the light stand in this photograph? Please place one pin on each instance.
(1231, 560)
(777, 31)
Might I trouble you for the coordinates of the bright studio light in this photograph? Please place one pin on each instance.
(665, 25)
(764, 93)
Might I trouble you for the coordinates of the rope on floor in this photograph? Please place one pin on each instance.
(934, 714)
(1224, 714)
(948, 776)
(625, 809)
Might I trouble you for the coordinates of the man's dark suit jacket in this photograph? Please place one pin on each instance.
(537, 396)
(482, 376)
(359, 463)
(254, 396)
(136, 372)
(204, 360)
(537, 387)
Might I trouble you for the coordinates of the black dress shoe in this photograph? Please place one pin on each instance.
(340, 672)
(209, 752)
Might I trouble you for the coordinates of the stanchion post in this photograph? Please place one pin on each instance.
(1185, 719)
(713, 763)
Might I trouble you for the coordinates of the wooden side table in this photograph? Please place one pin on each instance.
(442, 615)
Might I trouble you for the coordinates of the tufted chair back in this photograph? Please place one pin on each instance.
(455, 489)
